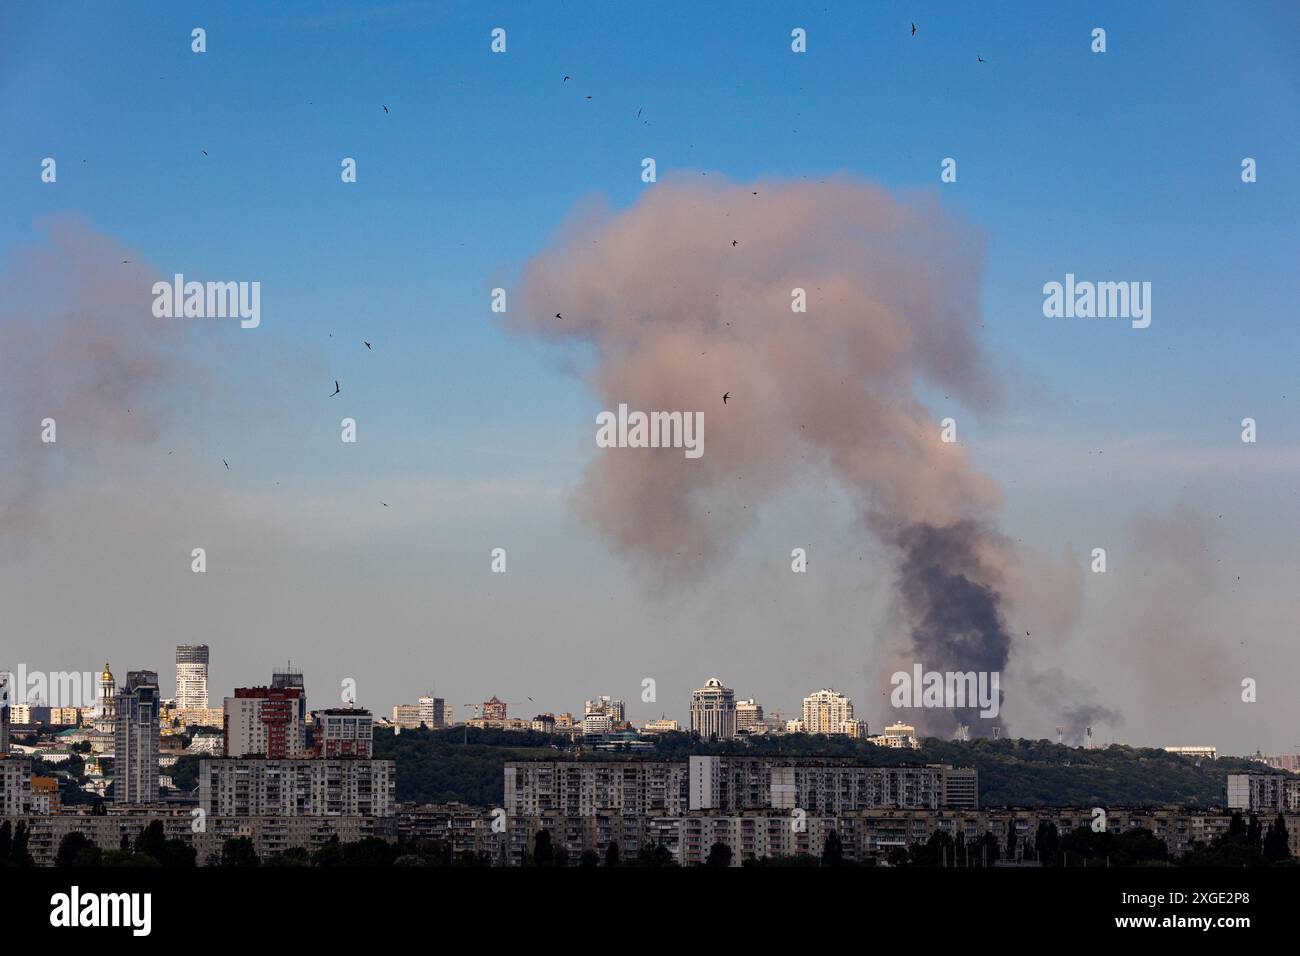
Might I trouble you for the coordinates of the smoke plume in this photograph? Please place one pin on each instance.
(76, 346)
(688, 295)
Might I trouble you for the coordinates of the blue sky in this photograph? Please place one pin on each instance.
(1124, 165)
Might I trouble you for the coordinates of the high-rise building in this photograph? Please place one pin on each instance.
(827, 712)
(135, 742)
(192, 676)
(611, 708)
(292, 677)
(494, 709)
(434, 712)
(344, 732)
(713, 710)
(264, 721)
(749, 715)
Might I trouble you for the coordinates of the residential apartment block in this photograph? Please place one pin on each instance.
(1263, 792)
(815, 785)
(585, 788)
(315, 787)
(824, 785)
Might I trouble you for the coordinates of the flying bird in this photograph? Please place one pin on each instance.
(979, 58)
(336, 389)
(566, 78)
(385, 109)
(384, 503)
(725, 396)
(223, 461)
(205, 152)
(558, 316)
(734, 243)
(366, 344)
(913, 29)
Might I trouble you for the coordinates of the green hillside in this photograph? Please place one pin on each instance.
(440, 767)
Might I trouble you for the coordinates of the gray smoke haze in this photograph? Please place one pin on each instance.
(74, 347)
(675, 315)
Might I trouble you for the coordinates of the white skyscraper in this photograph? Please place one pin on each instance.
(827, 712)
(191, 676)
(713, 710)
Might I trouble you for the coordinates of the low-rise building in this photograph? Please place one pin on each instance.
(269, 835)
(662, 725)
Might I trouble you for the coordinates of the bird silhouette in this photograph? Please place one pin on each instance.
(566, 78)
(558, 316)
(336, 389)
(385, 109)
(366, 344)
(223, 461)
(913, 29)
(725, 396)
(734, 243)
(979, 58)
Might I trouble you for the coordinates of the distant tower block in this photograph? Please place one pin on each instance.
(1088, 735)
(191, 676)
(1060, 735)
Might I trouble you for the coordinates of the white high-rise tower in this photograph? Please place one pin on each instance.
(191, 676)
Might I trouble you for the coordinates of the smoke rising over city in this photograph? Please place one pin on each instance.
(691, 295)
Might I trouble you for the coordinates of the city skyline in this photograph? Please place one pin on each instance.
(477, 429)
(831, 708)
